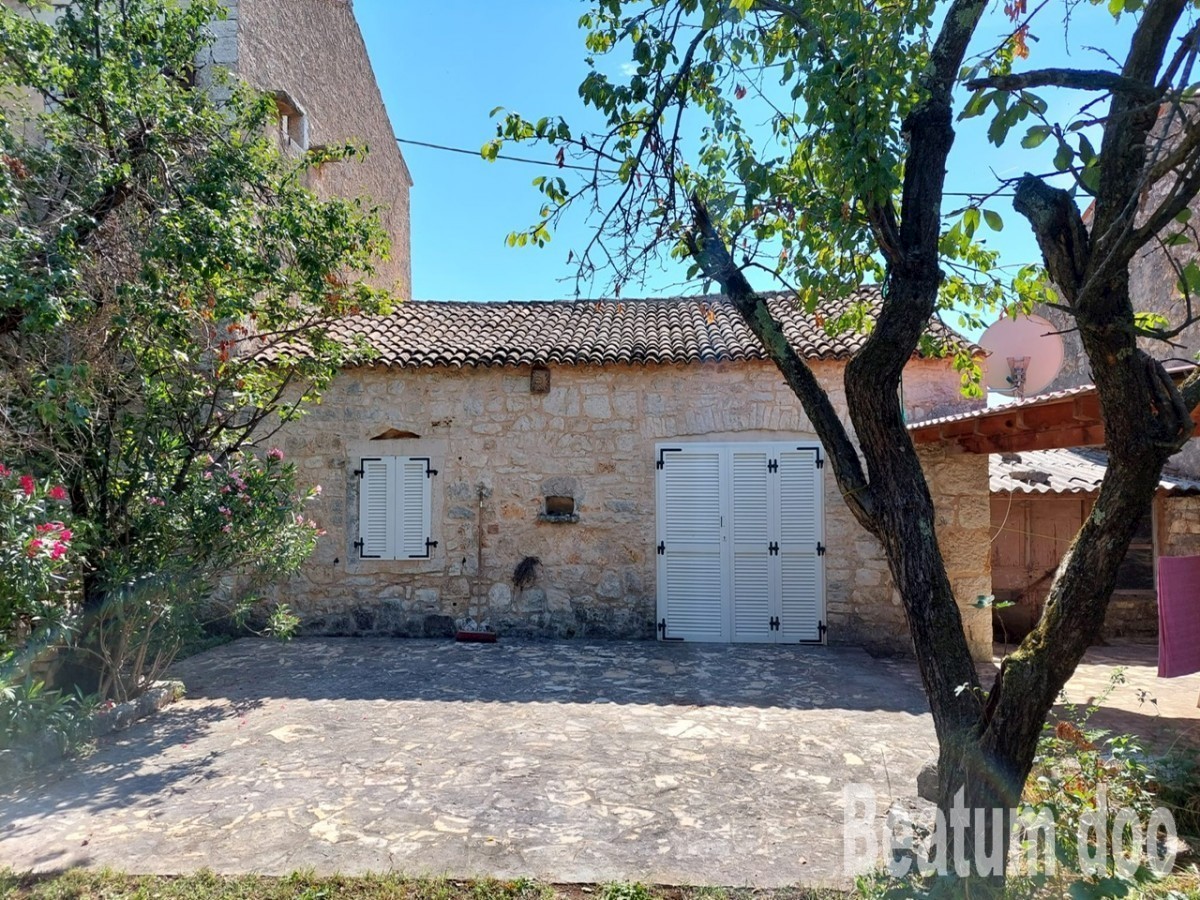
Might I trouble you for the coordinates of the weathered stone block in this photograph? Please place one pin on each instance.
(438, 626)
(500, 596)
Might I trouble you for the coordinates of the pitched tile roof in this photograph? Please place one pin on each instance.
(603, 332)
(1078, 470)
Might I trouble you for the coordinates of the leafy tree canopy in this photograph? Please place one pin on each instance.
(156, 248)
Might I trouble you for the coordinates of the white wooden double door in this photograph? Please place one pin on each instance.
(740, 542)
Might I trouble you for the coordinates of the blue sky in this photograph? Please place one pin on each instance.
(443, 67)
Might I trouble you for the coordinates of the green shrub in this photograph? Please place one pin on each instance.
(29, 713)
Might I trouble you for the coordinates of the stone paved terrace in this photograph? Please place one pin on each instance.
(1164, 712)
(568, 761)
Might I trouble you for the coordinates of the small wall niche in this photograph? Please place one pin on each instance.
(558, 508)
(539, 380)
(395, 434)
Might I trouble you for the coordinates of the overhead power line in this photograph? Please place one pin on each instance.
(520, 159)
(550, 163)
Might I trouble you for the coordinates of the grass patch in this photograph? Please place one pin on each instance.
(105, 884)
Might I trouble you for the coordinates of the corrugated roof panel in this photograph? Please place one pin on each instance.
(1076, 471)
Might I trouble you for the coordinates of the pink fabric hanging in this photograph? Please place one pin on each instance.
(1178, 615)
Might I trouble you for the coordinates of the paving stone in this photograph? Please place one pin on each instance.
(566, 761)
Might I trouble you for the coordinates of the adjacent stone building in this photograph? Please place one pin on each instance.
(1040, 500)
(309, 54)
(499, 433)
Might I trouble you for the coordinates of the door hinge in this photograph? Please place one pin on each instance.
(820, 549)
(662, 629)
(359, 545)
(662, 548)
(774, 623)
(362, 465)
(821, 629)
(773, 548)
(429, 473)
(820, 460)
(661, 459)
(429, 542)
(772, 465)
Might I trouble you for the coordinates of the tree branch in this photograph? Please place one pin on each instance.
(710, 252)
(1075, 79)
(1059, 229)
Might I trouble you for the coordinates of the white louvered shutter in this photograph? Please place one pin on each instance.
(690, 574)
(800, 533)
(376, 512)
(751, 536)
(413, 505)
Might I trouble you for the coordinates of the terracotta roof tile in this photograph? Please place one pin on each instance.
(598, 332)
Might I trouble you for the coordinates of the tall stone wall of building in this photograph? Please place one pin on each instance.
(313, 51)
(500, 450)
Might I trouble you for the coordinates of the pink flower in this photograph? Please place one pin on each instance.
(5, 471)
(27, 484)
(157, 501)
(65, 534)
(317, 491)
(227, 528)
(274, 453)
(58, 550)
(58, 492)
(34, 546)
(207, 476)
(225, 511)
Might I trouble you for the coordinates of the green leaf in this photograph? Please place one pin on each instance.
(1189, 280)
(993, 220)
(998, 130)
(1035, 136)
(971, 220)
(977, 104)
(1086, 151)
(1064, 157)
(1149, 321)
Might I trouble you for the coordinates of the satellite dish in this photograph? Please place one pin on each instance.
(1025, 354)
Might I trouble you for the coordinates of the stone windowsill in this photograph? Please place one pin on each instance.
(559, 518)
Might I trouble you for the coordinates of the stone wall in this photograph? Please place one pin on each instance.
(313, 50)
(1178, 526)
(500, 450)
(958, 482)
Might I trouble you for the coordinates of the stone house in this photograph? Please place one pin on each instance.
(644, 452)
